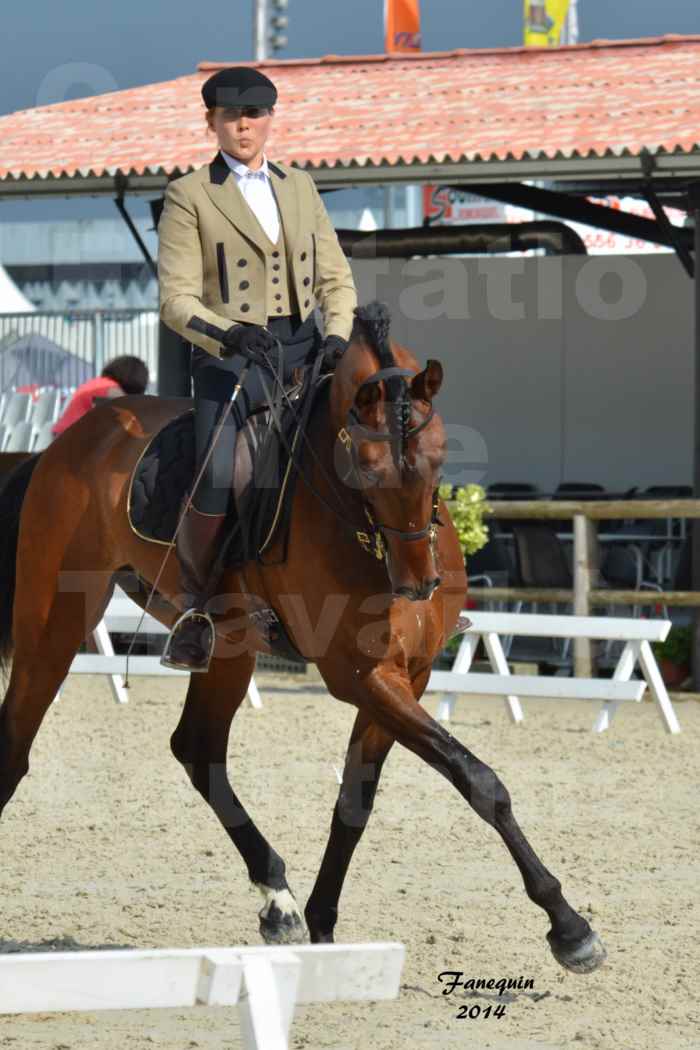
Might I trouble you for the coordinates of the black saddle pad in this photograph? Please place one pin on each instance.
(166, 468)
(160, 480)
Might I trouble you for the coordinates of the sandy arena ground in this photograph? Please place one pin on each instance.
(106, 843)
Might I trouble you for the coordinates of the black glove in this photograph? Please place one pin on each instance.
(333, 349)
(251, 340)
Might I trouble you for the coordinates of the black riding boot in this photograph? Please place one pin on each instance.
(191, 641)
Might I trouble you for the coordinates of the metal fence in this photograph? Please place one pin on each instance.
(63, 349)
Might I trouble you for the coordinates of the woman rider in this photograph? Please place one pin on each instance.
(245, 246)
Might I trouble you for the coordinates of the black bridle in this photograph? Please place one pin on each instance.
(373, 541)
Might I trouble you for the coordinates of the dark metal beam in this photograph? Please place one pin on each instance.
(665, 224)
(119, 201)
(564, 206)
(555, 237)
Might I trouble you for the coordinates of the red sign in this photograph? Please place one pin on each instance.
(444, 206)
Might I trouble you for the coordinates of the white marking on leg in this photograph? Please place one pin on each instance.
(285, 923)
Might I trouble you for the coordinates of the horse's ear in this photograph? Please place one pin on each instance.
(428, 382)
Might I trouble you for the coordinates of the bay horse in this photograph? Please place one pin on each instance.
(370, 590)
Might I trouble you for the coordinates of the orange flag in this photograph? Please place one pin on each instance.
(402, 25)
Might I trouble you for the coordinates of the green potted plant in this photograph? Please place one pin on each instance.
(673, 655)
(467, 509)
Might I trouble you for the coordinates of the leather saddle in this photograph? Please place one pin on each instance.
(263, 481)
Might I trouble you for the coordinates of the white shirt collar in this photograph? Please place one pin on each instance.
(240, 169)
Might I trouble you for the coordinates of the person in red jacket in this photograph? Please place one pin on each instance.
(121, 375)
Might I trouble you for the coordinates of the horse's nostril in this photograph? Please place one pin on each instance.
(418, 594)
(430, 587)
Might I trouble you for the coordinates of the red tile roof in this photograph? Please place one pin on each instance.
(606, 98)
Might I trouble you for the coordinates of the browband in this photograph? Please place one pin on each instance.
(387, 373)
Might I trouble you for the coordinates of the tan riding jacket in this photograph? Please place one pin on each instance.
(214, 261)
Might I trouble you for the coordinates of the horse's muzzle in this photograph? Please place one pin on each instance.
(418, 594)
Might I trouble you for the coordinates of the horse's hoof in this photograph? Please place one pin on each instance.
(318, 937)
(280, 919)
(585, 957)
(277, 928)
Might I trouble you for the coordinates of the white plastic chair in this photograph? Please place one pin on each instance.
(19, 407)
(43, 436)
(45, 408)
(20, 437)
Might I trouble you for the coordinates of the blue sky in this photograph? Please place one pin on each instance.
(143, 42)
(53, 51)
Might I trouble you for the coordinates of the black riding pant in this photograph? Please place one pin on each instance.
(214, 381)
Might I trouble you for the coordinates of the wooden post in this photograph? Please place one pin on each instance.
(585, 579)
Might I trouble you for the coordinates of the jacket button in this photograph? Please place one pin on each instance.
(278, 296)
(245, 307)
(276, 266)
(275, 280)
(279, 309)
(242, 262)
(307, 281)
(275, 255)
(303, 256)
(243, 285)
(306, 302)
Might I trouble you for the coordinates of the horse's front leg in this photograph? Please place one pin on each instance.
(391, 703)
(369, 745)
(200, 743)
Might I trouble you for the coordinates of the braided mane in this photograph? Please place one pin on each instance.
(373, 321)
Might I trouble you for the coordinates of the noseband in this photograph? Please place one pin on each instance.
(373, 540)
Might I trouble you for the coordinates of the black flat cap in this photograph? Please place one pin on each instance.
(238, 86)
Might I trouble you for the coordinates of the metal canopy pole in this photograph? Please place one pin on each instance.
(174, 379)
(173, 352)
(681, 247)
(694, 210)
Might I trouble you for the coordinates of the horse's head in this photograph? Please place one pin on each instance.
(391, 447)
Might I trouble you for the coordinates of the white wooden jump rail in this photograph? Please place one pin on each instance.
(612, 691)
(123, 614)
(266, 983)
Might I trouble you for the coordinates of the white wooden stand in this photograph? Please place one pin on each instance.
(637, 634)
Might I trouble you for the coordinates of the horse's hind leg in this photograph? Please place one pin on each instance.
(392, 703)
(369, 745)
(50, 623)
(200, 743)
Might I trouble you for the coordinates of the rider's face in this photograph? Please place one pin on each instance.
(242, 131)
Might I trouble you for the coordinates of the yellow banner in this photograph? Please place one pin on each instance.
(544, 22)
